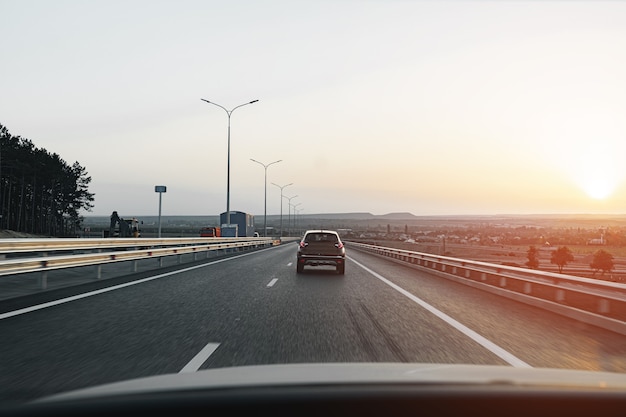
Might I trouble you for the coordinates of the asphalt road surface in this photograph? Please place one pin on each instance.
(253, 309)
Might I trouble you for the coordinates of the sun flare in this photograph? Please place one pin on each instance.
(598, 172)
(586, 144)
(599, 178)
(597, 188)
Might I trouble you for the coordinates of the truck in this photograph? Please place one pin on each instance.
(241, 224)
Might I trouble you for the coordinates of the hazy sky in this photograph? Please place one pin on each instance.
(430, 107)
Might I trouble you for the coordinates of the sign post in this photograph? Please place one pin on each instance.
(160, 189)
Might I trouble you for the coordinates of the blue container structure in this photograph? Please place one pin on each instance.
(243, 221)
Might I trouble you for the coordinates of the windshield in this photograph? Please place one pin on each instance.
(161, 162)
(320, 237)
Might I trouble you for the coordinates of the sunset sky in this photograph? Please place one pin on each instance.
(428, 107)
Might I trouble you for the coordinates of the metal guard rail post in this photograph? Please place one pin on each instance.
(595, 302)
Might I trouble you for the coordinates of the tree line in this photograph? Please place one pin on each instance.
(602, 260)
(40, 193)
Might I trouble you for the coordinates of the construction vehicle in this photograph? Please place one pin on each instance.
(120, 227)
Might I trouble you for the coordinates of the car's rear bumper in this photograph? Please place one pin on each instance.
(316, 260)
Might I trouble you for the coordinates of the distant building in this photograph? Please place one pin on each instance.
(597, 242)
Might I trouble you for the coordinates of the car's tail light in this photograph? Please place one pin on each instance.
(339, 245)
(304, 244)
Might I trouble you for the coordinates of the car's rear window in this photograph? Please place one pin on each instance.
(321, 237)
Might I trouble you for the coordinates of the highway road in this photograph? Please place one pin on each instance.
(254, 309)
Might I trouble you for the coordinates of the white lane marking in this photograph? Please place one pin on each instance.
(272, 282)
(115, 287)
(199, 359)
(290, 263)
(489, 345)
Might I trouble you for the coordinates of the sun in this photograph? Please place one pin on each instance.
(586, 144)
(595, 167)
(598, 188)
(598, 177)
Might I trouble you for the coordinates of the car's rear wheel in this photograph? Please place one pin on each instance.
(341, 269)
(299, 267)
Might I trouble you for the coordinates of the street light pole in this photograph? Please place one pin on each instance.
(281, 205)
(265, 209)
(297, 222)
(294, 217)
(289, 215)
(228, 112)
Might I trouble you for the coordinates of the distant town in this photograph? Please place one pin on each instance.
(513, 240)
(549, 230)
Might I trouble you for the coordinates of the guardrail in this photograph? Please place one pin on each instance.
(21, 256)
(595, 302)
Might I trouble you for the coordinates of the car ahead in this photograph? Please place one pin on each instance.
(321, 247)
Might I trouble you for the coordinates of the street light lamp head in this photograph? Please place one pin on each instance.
(253, 101)
(283, 186)
(265, 165)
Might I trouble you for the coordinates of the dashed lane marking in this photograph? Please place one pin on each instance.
(200, 358)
